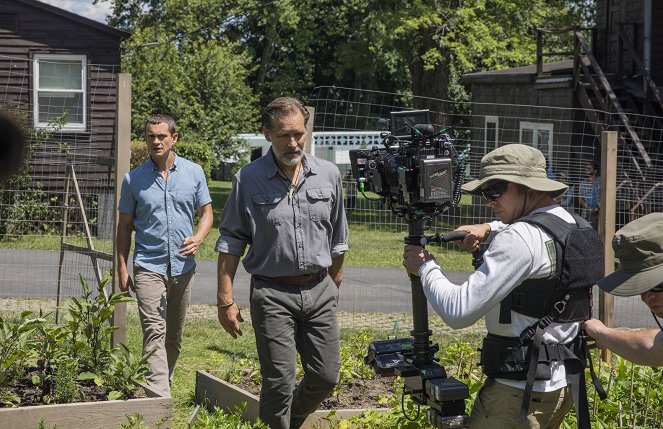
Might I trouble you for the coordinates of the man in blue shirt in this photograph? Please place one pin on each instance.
(159, 200)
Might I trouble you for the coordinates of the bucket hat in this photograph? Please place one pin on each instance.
(517, 163)
(639, 247)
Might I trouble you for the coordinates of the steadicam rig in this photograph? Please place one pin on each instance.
(418, 171)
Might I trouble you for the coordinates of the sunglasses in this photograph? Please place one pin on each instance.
(658, 288)
(494, 190)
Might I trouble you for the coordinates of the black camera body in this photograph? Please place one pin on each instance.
(418, 171)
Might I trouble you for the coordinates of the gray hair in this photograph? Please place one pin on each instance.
(283, 106)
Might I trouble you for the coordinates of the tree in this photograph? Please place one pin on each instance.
(420, 47)
(199, 80)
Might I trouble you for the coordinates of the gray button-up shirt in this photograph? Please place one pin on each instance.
(286, 236)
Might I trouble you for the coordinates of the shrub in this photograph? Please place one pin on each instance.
(200, 153)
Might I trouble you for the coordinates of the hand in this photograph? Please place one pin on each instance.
(189, 246)
(230, 318)
(414, 257)
(476, 234)
(126, 284)
(596, 330)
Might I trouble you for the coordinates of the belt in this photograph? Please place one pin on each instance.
(297, 280)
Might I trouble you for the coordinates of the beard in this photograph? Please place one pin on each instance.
(291, 161)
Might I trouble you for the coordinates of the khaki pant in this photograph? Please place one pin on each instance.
(497, 406)
(162, 305)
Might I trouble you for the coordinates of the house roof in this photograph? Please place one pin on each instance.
(72, 16)
(517, 73)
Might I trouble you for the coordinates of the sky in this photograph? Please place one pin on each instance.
(84, 8)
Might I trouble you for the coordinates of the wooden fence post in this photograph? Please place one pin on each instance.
(122, 161)
(607, 222)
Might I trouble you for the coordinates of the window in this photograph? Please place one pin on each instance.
(59, 82)
(540, 137)
(490, 133)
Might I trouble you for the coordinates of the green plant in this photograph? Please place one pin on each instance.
(89, 322)
(137, 421)
(14, 350)
(219, 419)
(125, 371)
(65, 386)
(42, 425)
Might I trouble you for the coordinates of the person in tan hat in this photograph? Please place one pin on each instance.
(519, 272)
(639, 247)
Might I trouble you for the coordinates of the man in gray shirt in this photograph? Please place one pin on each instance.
(288, 208)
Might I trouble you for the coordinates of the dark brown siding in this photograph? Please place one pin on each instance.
(26, 30)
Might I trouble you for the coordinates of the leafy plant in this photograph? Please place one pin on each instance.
(137, 421)
(65, 386)
(90, 322)
(14, 350)
(125, 371)
(219, 419)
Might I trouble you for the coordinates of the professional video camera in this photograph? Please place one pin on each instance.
(419, 173)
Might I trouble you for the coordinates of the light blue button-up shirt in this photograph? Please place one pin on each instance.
(163, 212)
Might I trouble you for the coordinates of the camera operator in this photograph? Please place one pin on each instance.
(519, 270)
(639, 247)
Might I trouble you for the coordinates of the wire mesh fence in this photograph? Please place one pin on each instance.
(569, 138)
(57, 214)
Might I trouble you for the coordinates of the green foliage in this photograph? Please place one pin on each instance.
(64, 356)
(89, 323)
(200, 80)
(200, 153)
(222, 420)
(137, 421)
(14, 349)
(124, 371)
(66, 388)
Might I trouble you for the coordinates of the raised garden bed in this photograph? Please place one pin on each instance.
(86, 415)
(212, 391)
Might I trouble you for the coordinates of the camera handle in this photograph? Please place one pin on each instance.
(423, 352)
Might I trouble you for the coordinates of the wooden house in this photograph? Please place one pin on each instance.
(608, 82)
(59, 66)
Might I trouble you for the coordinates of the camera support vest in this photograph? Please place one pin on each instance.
(565, 296)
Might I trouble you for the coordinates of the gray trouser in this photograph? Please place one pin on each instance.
(162, 304)
(288, 319)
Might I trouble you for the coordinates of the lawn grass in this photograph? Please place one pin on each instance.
(370, 245)
(206, 346)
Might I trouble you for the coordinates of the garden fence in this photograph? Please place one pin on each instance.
(567, 138)
(42, 203)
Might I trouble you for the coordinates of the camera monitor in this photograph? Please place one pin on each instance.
(413, 117)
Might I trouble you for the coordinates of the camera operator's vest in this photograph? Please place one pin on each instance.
(565, 296)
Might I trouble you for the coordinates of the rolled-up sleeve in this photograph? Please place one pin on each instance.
(235, 229)
(339, 238)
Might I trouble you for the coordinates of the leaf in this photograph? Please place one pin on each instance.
(113, 395)
(86, 376)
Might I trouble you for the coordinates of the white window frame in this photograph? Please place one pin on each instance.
(68, 126)
(535, 127)
(490, 120)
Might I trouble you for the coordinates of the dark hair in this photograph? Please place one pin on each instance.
(161, 118)
(282, 106)
(12, 146)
